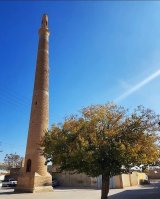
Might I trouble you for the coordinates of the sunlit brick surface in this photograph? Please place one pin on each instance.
(34, 177)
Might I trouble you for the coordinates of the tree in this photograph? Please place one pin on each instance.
(3, 166)
(103, 140)
(13, 161)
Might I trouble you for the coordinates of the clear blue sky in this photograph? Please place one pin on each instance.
(99, 52)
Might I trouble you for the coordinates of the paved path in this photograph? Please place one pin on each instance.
(146, 192)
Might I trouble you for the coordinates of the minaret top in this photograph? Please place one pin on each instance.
(44, 25)
(44, 21)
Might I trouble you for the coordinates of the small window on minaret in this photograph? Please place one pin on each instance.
(28, 168)
(46, 23)
(36, 103)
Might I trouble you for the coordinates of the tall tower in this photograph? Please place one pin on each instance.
(34, 176)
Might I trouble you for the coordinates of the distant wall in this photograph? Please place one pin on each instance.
(116, 182)
(134, 179)
(68, 179)
(142, 176)
(126, 180)
(75, 180)
(154, 173)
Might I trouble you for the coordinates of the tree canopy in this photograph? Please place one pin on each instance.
(104, 140)
(13, 161)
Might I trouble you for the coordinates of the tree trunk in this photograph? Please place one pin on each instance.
(105, 186)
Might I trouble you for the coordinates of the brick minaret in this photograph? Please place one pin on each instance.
(34, 176)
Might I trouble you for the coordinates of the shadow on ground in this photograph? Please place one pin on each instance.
(151, 191)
